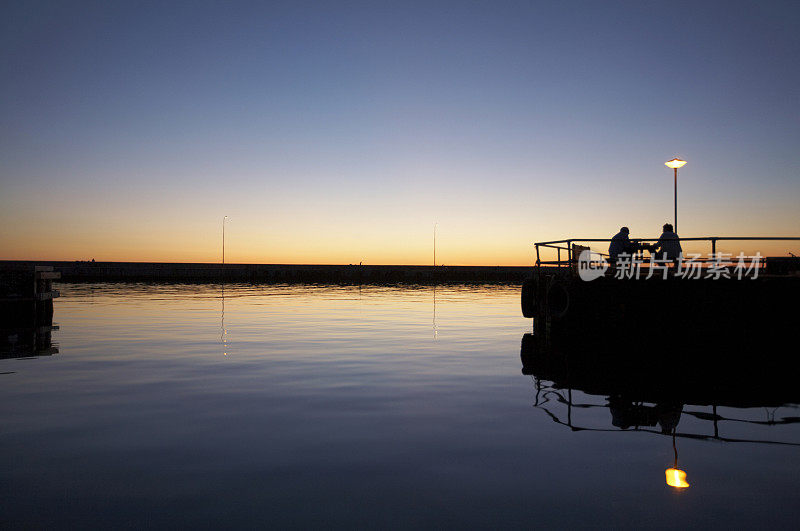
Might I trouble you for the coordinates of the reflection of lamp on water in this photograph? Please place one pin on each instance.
(223, 331)
(675, 164)
(435, 328)
(676, 477)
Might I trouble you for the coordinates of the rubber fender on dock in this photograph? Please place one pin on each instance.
(528, 298)
(557, 300)
(528, 346)
(527, 354)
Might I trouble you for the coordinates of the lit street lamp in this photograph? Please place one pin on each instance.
(675, 164)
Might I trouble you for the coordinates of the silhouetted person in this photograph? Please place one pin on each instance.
(668, 246)
(625, 413)
(668, 416)
(620, 244)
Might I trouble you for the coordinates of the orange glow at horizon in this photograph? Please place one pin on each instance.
(454, 247)
(477, 226)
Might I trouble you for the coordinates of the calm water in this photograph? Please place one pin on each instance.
(331, 406)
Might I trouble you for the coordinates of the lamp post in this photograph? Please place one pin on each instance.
(224, 219)
(675, 164)
(434, 244)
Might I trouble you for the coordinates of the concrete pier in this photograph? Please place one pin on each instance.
(278, 273)
(638, 315)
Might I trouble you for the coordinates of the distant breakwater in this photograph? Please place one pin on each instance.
(277, 273)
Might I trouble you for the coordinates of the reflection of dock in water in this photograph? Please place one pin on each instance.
(652, 396)
(26, 311)
(27, 342)
(651, 392)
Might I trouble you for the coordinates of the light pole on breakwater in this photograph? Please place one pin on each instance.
(675, 164)
(434, 244)
(224, 219)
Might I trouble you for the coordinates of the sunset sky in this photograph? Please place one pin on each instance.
(340, 132)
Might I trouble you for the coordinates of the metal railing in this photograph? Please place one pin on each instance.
(567, 245)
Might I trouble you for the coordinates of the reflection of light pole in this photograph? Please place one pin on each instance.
(223, 332)
(675, 477)
(675, 164)
(435, 329)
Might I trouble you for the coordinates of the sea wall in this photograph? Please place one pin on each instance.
(277, 273)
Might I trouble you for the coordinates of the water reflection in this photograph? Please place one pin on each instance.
(675, 476)
(26, 334)
(335, 407)
(651, 391)
(27, 342)
(223, 335)
(435, 328)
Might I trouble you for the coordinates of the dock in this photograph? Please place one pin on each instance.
(619, 308)
(658, 347)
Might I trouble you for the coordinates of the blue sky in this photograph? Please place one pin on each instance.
(342, 131)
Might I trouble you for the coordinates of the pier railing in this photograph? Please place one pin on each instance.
(565, 249)
(551, 399)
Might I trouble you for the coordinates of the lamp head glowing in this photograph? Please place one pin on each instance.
(676, 478)
(675, 163)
